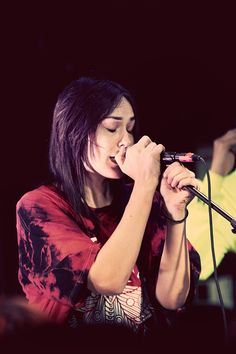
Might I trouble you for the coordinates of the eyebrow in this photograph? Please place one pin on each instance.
(119, 118)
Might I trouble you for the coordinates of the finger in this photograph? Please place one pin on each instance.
(120, 157)
(174, 170)
(230, 139)
(151, 146)
(144, 141)
(176, 173)
(188, 181)
(175, 182)
(160, 148)
(230, 133)
(156, 151)
(171, 167)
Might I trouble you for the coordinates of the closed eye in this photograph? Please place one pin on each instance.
(113, 130)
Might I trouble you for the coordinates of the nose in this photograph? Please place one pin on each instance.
(126, 140)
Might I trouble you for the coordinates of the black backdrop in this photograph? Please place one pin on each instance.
(178, 58)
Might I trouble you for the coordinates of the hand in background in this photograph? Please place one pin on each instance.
(224, 150)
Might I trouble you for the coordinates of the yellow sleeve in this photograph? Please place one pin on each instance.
(198, 230)
(217, 182)
(229, 194)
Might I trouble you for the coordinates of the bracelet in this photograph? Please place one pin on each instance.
(176, 221)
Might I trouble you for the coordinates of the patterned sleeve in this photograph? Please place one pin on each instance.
(54, 254)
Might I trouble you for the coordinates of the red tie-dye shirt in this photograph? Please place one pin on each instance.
(55, 256)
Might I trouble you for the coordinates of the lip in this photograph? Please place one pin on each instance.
(112, 159)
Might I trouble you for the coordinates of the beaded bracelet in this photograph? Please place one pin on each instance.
(176, 221)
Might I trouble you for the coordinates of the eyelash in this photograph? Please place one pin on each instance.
(113, 131)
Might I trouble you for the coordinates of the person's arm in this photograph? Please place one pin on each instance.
(173, 282)
(224, 149)
(115, 261)
(223, 185)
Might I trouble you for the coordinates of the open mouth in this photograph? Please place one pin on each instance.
(112, 158)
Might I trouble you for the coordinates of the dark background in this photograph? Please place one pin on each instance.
(178, 59)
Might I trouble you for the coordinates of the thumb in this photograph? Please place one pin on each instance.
(120, 157)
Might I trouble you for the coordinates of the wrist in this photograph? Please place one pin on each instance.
(146, 188)
(174, 220)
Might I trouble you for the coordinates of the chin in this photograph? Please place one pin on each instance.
(113, 174)
(117, 177)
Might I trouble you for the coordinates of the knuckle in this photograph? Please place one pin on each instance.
(146, 138)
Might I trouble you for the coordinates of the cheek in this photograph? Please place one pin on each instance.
(96, 153)
(105, 144)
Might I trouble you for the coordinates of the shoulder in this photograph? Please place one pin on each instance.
(40, 193)
(45, 196)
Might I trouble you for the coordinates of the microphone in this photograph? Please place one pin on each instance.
(168, 157)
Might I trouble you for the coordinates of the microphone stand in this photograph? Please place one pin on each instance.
(228, 217)
(214, 206)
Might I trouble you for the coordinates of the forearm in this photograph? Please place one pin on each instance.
(173, 281)
(115, 261)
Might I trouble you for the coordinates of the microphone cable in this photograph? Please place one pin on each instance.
(222, 307)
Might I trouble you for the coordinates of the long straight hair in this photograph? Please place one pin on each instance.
(80, 107)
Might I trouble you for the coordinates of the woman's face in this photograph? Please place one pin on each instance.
(112, 132)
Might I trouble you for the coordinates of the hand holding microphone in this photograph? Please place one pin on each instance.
(142, 162)
(143, 159)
